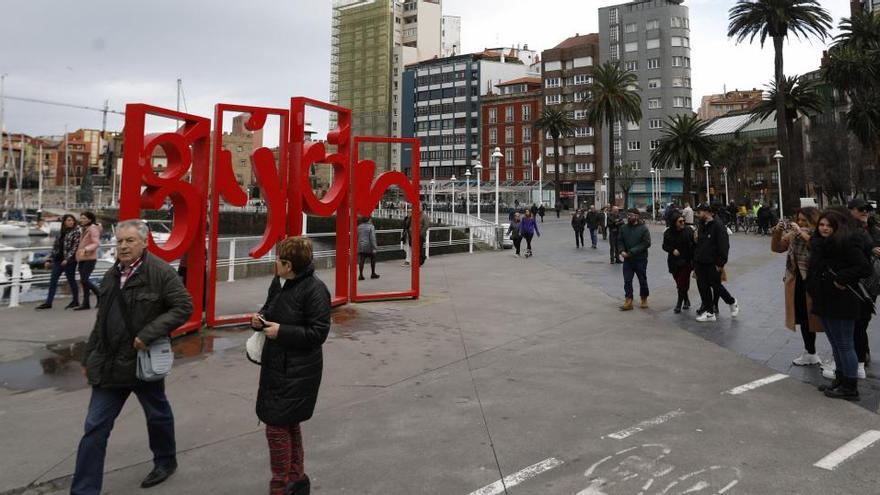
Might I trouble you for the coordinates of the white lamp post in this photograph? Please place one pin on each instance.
(778, 157)
(453, 179)
(605, 187)
(497, 156)
(653, 194)
(479, 168)
(540, 182)
(707, 167)
(467, 178)
(726, 191)
(433, 183)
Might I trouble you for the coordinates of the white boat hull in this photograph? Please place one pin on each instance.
(14, 230)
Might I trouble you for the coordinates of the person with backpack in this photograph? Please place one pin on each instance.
(837, 264)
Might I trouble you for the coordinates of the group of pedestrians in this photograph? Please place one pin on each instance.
(832, 279)
(75, 248)
(592, 221)
(523, 226)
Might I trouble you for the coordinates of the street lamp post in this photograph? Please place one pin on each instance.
(479, 168)
(726, 191)
(778, 157)
(433, 183)
(453, 179)
(605, 188)
(467, 178)
(707, 166)
(653, 194)
(497, 156)
(540, 182)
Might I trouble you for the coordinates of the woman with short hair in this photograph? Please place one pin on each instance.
(296, 321)
(367, 246)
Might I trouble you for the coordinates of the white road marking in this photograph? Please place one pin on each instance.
(519, 476)
(851, 448)
(632, 430)
(755, 384)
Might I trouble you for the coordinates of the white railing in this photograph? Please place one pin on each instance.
(483, 230)
(231, 252)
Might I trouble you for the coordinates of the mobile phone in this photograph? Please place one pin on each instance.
(260, 317)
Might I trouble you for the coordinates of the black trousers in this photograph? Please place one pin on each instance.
(86, 267)
(710, 286)
(861, 333)
(362, 257)
(517, 242)
(528, 238)
(578, 238)
(614, 244)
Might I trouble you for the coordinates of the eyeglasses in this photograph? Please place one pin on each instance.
(680, 221)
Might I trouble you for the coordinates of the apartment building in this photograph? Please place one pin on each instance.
(450, 35)
(652, 39)
(508, 118)
(712, 106)
(567, 70)
(441, 106)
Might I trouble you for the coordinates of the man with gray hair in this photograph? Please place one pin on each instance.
(141, 299)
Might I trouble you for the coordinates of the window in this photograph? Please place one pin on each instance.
(633, 146)
(686, 42)
(509, 174)
(552, 82)
(632, 126)
(654, 144)
(584, 167)
(493, 135)
(238, 149)
(773, 177)
(655, 124)
(615, 52)
(677, 61)
(580, 79)
(527, 155)
(553, 65)
(617, 147)
(675, 22)
(582, 62)
(613, 17)
(614, 34)
(632, 28)
(654, 24)
(676, 40)
(509, 157)
(508, 135)
(508, 113)
(583, 131)
(678, 102)
(759, 176)
(493, 115)
(687, 62)
(631, 65)
(653, 83)
(631, 47)
(527, 173)
(677, 82)
(653, 63)
(526, 112)
(553, 99)
(527, 134)
(583, 149)
(655, 103)
(617, 128)
(580, 114)
(636, 165)
(581, 96)
(652, 44)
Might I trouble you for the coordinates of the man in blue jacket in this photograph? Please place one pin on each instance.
(635, 239)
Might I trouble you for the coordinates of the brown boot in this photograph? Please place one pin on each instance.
(644, 304)
(627, 305)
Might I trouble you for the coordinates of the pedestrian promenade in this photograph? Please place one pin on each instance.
(506, 368)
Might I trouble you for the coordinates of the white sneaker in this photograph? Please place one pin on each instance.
(706, 317)
(861, 373)
(806, 359)
(734, 309)
(829, 369)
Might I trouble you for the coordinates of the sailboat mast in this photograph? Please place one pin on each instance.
(40, 179)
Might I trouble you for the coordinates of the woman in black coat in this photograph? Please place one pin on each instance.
(837, 263)
(296, 321)
(678, 241)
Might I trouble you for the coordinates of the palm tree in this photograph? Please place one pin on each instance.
(614, 98)
(558, 124)
(777, 19)
(799, 96)
(683, 142)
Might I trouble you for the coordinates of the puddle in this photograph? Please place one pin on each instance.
(59, 364)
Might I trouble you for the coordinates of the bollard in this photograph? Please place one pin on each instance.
(428, 243)
(231, 276)
(16, 280)
(450, 236)
(471, 241)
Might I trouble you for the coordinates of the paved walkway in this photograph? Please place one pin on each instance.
(513, 367)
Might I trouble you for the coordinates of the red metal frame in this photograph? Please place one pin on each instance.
(366, 194)
(273, 179)
(187, 151)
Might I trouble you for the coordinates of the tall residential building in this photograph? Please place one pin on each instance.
(868, 5)
(372, 41)
(652, 39)
(567, 70)
(441, 106)
(712, 106)
(450, 35)
(508, 118)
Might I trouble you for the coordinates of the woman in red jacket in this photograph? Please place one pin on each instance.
(87, 256)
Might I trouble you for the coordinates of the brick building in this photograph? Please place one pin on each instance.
(508, 122)
(713, 106)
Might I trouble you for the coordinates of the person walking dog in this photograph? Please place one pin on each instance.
(142, 300)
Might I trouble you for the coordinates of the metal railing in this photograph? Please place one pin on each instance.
(232, 252)
(483, 230)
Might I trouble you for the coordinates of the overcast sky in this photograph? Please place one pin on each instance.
(264, 51)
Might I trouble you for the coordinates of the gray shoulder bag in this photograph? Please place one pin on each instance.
(154, 362)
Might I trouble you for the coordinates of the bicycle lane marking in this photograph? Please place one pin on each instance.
(659, 420)
(756, 384)
(519, 477)
(849, 449)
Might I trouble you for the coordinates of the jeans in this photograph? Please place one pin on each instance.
(840, 335)
(593, 237)
(710, 286)
(69, 271)
(104, 407)
(640, 269)
(86, 267)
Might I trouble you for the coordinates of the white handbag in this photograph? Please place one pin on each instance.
(154, 362)
(254, 347)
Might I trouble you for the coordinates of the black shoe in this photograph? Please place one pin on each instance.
(44, 306)
(374, 276)
(361, 277)
(73, 304)
(677, 310)
(848, 390)
(301, 487)
(82, 307)
(158, 475)
(687, 305)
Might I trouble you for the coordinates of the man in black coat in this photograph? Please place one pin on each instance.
(141, 300)
(578, 222)
(614, 224)
(710, 256)
(593, 220)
